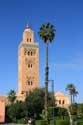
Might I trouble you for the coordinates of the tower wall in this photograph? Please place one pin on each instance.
(28, 63)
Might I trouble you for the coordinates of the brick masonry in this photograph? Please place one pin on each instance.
(28, 63)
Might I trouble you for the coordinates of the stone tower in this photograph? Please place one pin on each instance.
(28, 63)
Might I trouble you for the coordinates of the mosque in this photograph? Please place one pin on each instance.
(28, 72)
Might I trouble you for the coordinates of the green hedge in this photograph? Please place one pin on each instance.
(39, 122)
(53, 122)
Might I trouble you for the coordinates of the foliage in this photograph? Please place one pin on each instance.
(72, 91)
(16, 111)
(47, 32)
(43, 115)
(35, 102)
(61, 113)
(39, 122)
(11, 96)
(58, 121)
(79, 122)
(22, 121)
(80, 110)
(62, 122)
(53, 122)
(73, 109)
(11, 113)
(57, 112)
(76, 111)
(31, 107)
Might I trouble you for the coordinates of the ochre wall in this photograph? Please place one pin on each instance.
(2, 111)
(60, 97)
(28, 63)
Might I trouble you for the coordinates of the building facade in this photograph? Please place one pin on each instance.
(61, 100)
(28, 63)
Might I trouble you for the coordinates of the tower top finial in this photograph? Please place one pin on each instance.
(27, 26)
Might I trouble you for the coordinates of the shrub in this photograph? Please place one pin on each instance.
(79, 123)
(53, 122)
(39, 122)
(21, 121)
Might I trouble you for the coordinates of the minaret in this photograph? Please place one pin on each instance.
(28, 63)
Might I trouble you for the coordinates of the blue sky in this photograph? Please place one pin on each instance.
(66, 51)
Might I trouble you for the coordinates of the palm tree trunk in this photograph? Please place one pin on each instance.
(46, 85)
(71, 99)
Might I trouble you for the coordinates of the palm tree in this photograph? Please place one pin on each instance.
(75, 93)
(70, 87)
(47, 34)
(11, 96)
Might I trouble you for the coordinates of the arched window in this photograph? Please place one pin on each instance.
(30, 39)
(27, 40)
(31, 83)
(63, 102)
(28, 53)
(31, 65)
(28, 82)
(31, 53)
(59, 101)
(22, 92)
(28, 65)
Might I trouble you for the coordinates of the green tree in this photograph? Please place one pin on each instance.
(16, 111)
(31, 107)
(47, 34)
(35, 102)
(74, 108)
(11, 113)
(80, 110)
(11, 96)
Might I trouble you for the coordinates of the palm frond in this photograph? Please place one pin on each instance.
(47, 32)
